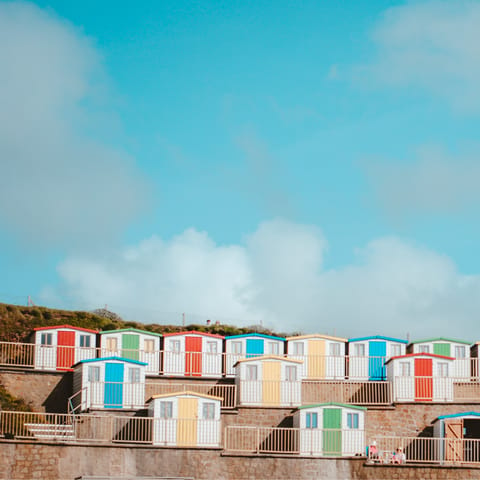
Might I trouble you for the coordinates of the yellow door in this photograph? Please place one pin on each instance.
(187, 422)
(316, 359)
(271, 383)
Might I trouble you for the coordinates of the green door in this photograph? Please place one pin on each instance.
(130, 346)
(332, 431)
(441, 349)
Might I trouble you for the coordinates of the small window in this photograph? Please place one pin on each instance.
(424, 349)
(46, 339)
(209, 411)
(149, 346)
(359, 350)
(443, 369)
(272, 348)
(175, 345)
(85, 341)
(112, 344)
(252, 372)
(237, 347)
(396, 350)
(460, 352)
(166, 409)
(311, 420)
(298, 348)
(212, 347)
(93, 374)
(334, 349)
(404, 369)
(134, 375)
(291, 373)
(352, 420)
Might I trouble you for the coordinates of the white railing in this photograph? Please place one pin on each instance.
(295, 441)
(227, 392)
(271, 393)
(17, 354)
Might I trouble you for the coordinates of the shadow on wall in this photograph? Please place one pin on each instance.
(57, 401)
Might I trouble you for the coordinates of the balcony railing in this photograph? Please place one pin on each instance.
(271, 393)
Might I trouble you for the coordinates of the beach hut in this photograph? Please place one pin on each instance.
(61, 346)
(269, 381)
(192, 354)
(109, 383)
(331, 429)
(460, 434)
(449, 347)
(323, 356)
(367, 356)
(185, 419)
(133, 344)
(249, 345)
(421, 377)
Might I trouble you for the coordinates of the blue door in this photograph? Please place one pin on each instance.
(377, 350)
(254, 347)
(113, 385)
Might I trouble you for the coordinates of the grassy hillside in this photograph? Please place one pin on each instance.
(17, 323)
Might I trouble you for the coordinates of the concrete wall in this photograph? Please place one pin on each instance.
(37, 461)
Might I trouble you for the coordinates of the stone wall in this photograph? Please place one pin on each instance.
(32, 460)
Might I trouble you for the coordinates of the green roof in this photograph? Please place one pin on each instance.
(332, 404)
(136, 330)
(443, 339)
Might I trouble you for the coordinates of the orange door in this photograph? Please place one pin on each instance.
(65, 350)
(423, 379)
(193, 356)
(453, 443)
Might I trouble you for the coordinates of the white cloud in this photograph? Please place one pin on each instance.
(278, 276)
(433, 45)
(58, 184)
(435, 182)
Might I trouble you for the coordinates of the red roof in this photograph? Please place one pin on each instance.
(434, 355)
(58, 327)
(193, 332)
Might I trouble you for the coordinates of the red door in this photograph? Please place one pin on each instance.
(65, 350)
(193, 356)
(423, 379)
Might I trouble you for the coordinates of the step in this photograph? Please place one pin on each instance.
(47, 431)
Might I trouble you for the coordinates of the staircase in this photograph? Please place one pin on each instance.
(46, 431)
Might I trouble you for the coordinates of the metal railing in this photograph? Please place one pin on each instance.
(269, 393)
(444, 451)
(226, 392)
(17, 354)
(295, 441)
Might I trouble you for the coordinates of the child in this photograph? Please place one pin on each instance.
(399, 456)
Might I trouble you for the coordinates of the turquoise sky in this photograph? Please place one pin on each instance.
(310, 165)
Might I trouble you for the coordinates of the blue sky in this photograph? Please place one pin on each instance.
(308, 165)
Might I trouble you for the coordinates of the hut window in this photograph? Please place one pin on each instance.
(443, 369)
(404, 369)
(291, 373)
(359, 350)
(334, 349)
(134, 375)
(111, 344)
(272, 348)
(166, 409)
(459, 351)
(212, 347)
(352, 420)
(85, 341)
(93, 374)
(424, 348)
(311, 420)
(298, 348)
(46, 339)
(175, 344)
(149, 346)
(396, 350)
(252, 372)
(237, 347)
(209, 411)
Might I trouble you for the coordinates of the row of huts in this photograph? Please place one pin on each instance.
(200, 354)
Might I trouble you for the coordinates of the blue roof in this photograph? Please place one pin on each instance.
(120, 359)
(378, 337)
(462, 414)
(261, 335)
